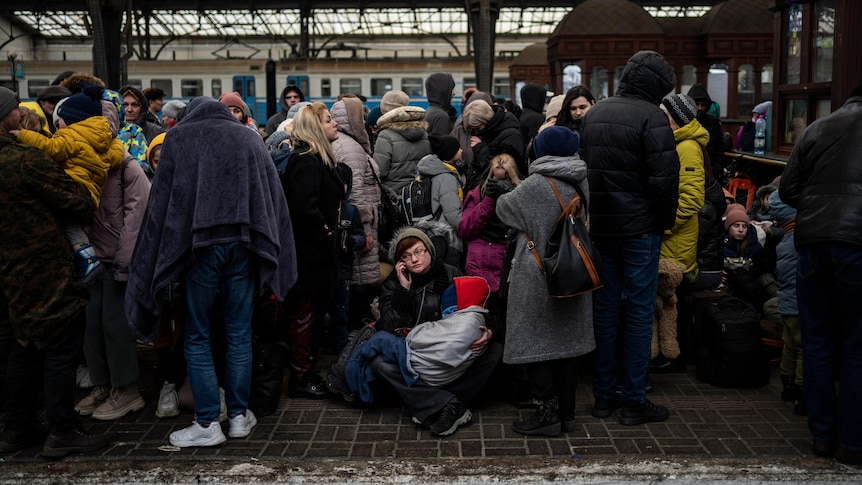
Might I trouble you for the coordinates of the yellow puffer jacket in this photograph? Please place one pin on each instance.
(86, 150)
(680, 243)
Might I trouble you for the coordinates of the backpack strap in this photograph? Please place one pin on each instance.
(573, 209)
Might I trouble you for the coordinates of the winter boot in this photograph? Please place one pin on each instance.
(89, 268)
(544, 422)
(790, 390)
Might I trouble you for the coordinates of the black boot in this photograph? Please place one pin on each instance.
(790, 391)
(544, 422)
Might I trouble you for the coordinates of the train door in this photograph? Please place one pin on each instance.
(245, 86)
(301, 82)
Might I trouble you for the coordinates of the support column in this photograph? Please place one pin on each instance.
(483, 19)
(107, 19)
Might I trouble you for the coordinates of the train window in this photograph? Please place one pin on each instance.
(191, 87)
(166, 85)
(34, 86)
(136, 83)
(325, 87)
(412, 86)
(571, 77)
(501, 87)
(215, 86)
(350, 85)
(380, 86)
(469, 82)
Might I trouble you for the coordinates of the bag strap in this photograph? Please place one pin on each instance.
(573, 209)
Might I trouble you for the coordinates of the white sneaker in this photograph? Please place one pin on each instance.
(197, 435)
(241, 424)
(169, 403)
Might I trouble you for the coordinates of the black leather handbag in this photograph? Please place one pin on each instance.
(570, 265)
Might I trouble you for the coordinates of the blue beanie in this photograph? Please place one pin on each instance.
(449, 301)
(81, 106)
(556, 140)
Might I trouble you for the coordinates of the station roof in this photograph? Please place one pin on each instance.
(273, 18)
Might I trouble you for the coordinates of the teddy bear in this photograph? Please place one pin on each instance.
(664, 339)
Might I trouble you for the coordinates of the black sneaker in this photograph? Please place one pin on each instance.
(633, 414)
(310, 386)
(544, 422)
(603, 408)
(454, 414)
(74, 441)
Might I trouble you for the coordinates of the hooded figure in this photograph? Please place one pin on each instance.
(440, 115)
(715, 148)
(276, 119)
(150, 129)
(191, 206)
(533, 100)
(401, 143)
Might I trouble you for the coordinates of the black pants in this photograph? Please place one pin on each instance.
(423, 400)
(555, 378)
(60, 359)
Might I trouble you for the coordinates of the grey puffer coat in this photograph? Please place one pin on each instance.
(353, 149)
(400, 145)
(540, 328)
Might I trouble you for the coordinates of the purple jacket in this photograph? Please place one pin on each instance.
(484, 258)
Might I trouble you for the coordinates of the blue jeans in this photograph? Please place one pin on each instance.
(222, 272)
(630, 279)
(829, 289)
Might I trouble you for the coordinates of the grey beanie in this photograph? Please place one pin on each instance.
(173, 107)
(681, 107)
(8, 101)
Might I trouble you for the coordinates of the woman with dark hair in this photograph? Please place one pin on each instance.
(577, 102)
(314, 192)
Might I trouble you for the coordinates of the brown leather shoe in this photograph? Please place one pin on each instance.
(824, 449)
(847, 457)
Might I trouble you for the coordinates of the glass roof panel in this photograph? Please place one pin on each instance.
(324, 22)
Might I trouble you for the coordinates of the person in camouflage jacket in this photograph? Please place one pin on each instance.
(36, 276)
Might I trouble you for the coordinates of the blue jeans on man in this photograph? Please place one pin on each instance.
(630, 282)
(223, 273)
(829, 289)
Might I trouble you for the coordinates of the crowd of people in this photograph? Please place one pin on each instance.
(130, 219)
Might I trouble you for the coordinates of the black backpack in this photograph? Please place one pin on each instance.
(731, 351)
(336, 381)
(416, 199)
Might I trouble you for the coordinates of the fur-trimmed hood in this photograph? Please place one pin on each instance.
(440, 233)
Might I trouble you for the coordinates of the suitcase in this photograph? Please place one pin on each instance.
(730, 351)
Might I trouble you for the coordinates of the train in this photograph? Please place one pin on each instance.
(319, 79)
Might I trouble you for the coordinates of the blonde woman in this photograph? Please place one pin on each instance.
(314, 192)
(483, 233)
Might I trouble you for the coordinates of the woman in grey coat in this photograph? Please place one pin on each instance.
(546, 334)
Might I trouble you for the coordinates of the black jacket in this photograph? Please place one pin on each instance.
(501, 135)
(440, 114)
(823, 178)
(710, 237)
(532, 116)
(631, 154)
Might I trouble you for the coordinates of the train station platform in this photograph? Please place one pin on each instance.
(714, 435)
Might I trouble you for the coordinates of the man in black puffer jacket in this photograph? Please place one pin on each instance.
(634, 189)
(823, 181)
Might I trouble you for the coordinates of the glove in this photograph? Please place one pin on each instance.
(493, 189)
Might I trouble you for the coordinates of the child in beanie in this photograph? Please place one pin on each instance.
(745, 260)
(84, 146)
